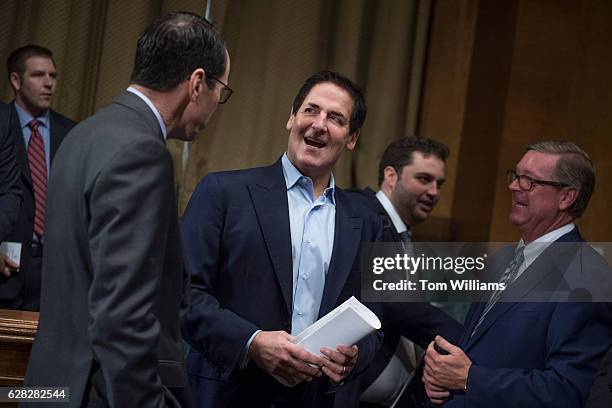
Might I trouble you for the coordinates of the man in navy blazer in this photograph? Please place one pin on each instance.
(411, 173)
(269, 251)
(10, 191)
(516, 351)
(33, 77)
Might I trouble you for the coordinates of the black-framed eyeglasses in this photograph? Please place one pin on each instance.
(226, 91)
(526, 183)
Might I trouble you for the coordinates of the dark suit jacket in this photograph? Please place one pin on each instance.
(10, 190)
(113, 275)
(238, 247)
(22, 290)
(601, 393)
(534, 354)
(418, 322)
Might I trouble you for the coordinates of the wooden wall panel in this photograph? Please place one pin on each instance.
(536, 70)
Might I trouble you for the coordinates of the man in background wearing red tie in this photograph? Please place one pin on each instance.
(37, 133)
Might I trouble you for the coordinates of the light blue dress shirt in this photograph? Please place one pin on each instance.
(44, 130)
(312, 224)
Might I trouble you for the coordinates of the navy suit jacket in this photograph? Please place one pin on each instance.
(10, 190)
(419, 322)
(22, 291)
(238, 251)
(601, 393)
(535, 354)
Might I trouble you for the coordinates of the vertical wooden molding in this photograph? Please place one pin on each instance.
(481, 135)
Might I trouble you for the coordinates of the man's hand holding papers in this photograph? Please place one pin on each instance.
(275, 352)
(339, 362)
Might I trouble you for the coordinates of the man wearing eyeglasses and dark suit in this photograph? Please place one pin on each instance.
(114, 283)
(537, 343)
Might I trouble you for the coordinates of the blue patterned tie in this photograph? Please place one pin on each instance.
(406, 238)
(508, 277)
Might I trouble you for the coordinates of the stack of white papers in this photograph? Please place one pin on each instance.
(12, 250)
(345, 325)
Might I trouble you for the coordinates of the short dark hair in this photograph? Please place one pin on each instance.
(574, 168)
(16, 61)
(174, 46)
(360, 109)
(399, 153)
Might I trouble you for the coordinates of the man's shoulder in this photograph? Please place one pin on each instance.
(248, 175)
(267, 177)
(5, 114)
(366, 200)
(61, 120)
(358, 204)
(364, 196)
(4, 108)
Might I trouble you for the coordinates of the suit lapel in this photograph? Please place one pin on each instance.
(347, 239)
(135, 103)
(548, 267)
(270, 203)
(57, 133)
(390, 233)
(20, 149)
(498, 310)
(470, 321)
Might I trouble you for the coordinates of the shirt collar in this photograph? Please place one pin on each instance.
(536, 247)
(399, 225)
(149, 103)
(25, 117)
(292, 176)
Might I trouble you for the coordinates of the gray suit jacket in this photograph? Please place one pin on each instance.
(113, 278)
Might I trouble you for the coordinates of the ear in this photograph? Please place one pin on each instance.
(568, 198)
(290, 120)
(352, 140)
(197, 84)
(15, 80)
(390, 177)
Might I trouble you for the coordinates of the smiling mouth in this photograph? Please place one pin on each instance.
(517, 200)
(314, 143)
(427, 204)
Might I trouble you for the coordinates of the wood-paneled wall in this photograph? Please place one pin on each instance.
(503, 74)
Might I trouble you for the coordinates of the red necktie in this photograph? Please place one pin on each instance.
(38, 170)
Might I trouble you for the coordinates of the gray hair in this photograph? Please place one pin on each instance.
(574, 168)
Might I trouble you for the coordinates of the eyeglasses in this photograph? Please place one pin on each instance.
(226, 91)
(526, 183)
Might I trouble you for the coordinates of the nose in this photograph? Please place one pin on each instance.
(48, 81)
(433, 190)
(320, 122)
(514, 185)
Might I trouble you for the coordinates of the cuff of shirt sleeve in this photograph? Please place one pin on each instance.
(244, 358)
